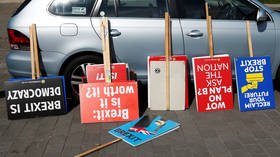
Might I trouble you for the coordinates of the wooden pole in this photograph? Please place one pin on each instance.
(167, 58)
(98, 148)
(249, 38)
(32, 53)
(35, 41)
(105, 34)
(209, 31)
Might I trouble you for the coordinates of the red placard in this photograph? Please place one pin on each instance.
(95, 73)
(109, 102)
(213, 83)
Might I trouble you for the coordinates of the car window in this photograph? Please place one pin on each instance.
(232, 9)
(71, 7)
(191, 9)
(134, 8)
(218, 9)
(108, 7)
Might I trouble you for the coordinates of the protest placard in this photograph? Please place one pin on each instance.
(167, 78)
(212, 77)
(109, 102)
(213, 83)
(30, 98)
(95, 73)
(254, 80)
(254, 83)
(36, 96)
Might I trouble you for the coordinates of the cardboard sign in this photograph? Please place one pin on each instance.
(28, 98)
(213, 83)
(254, 83)
(95, 73)
(178, 83)
(109, 102)
(136, 136)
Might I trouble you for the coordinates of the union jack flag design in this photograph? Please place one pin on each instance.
(140, 130)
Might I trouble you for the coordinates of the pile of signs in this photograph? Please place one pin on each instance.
(39, 96)
(109, 95)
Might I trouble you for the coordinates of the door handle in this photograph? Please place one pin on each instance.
(115, 32)
(195, 33)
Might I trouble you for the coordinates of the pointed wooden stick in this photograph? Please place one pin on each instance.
(105, 36)
(35, 41)
(209, 31)
(249, 38)
(98, 148)
(32, 52)
(167, 58)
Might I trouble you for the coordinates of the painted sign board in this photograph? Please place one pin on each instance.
(109, 102)
(157, 83)
(28, 98)
(134, 135)
(254, 83)
(213, 83)
(95, 73)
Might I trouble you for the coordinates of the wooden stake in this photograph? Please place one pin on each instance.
(167, 58)
(206, 10)
(98, 148)
(209, 31)
(35, 41)
(249, 38)
(105, 34)
(32, 53)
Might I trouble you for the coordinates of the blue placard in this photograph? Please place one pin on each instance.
(254, 83)
(143, 134)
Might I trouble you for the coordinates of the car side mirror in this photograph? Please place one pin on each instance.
(261, 15)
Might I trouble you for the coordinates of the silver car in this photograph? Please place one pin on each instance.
(68, 33)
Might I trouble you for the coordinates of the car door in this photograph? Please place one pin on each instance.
(137, 31)
(229, 30)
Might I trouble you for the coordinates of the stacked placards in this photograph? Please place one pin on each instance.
(95, 73)
(39, 96)
(212, 78)
(108, 101)
(254, 80)
(167, 78)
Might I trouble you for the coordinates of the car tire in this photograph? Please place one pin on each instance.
(75, 73)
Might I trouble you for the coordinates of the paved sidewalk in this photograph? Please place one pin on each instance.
(11, 1)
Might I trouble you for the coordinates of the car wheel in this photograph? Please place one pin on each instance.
(75, 73)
